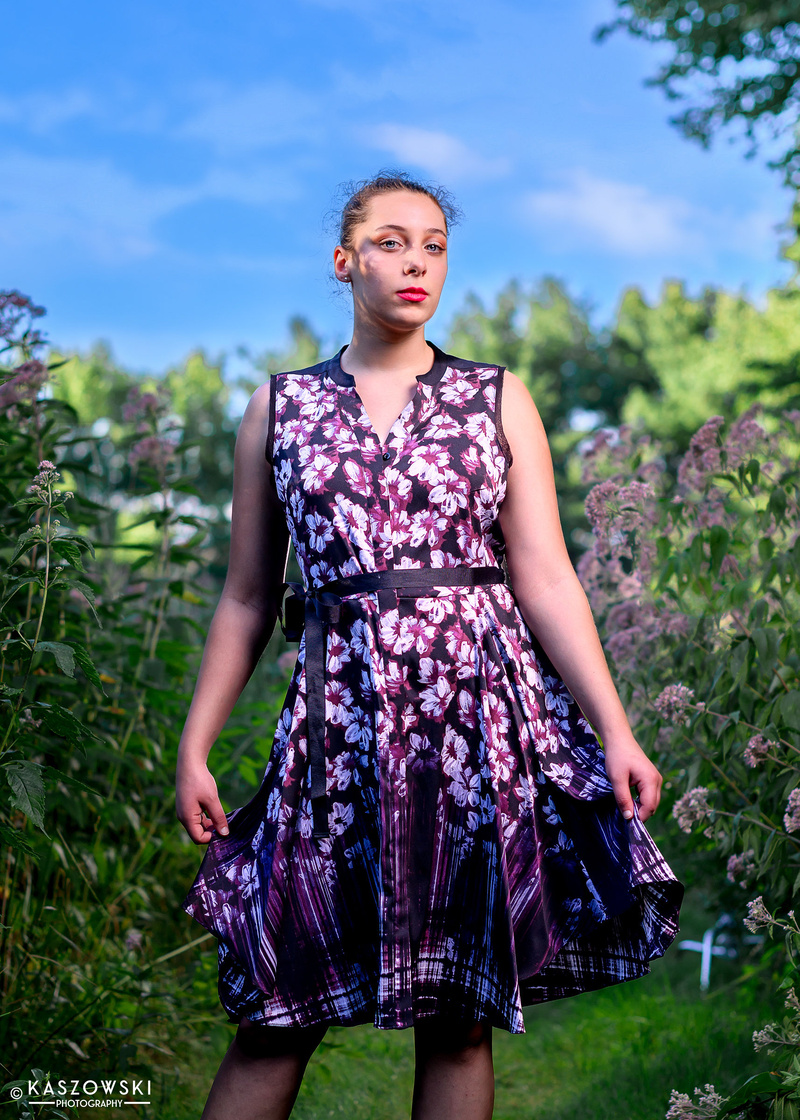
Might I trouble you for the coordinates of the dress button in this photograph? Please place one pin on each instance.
(387, 456)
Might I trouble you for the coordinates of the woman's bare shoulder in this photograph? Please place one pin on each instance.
(521, 421)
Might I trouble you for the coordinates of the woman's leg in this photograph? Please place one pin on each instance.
(260, 1075)
(454, 1077)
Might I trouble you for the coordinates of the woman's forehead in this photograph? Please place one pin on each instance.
(404, 209)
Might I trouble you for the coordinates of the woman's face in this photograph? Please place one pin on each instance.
(398, 262)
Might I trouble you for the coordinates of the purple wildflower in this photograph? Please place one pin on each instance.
(133, 939)
(757, 750)
(791, 818)
(24, 384)
(673, 703)
(741, 867)
(706, 1107)
(155, 451)
(758, 917)
(144, 406)
(598, 506)
(691, 808)
(703, 457)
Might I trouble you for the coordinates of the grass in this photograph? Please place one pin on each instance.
(615, 1053)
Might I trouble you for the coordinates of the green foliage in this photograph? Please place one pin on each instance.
(105, 590)
(695, 579)
(740, 61)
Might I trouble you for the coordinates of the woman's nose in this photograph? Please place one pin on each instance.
(415, 262)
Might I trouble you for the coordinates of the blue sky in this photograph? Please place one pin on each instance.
(166, 168)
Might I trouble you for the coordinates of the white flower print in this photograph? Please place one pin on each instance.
(396, 487)
(484, 814)
(394, 635)
(359, 641)
(560, 773)
(428, 463)
(340, 818)
(338, 652)
(396, 677)
(273, 804)
(466, 787)
(359, 477)
(436, 610)
(318, 468)
(466, 709)
(427, 526)
(359, 727)
(421, 754)
(454, 752)
(450, 494)
(345, 771)
(338, 701)
(352, 521)
(320, 531)
(417, 634)
(409, 717)
(436, 698)
(458, 392)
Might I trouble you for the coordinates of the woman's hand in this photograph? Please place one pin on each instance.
(627, 765)
(197, 803)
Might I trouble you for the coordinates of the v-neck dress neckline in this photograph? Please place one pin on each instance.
(359, 412)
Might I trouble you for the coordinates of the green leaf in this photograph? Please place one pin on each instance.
(80, 540)
(755, 1086)
(73, 781)
(15, 839)
(62, 722)
(70, 551)
(766, 547)
(790, 709)
(718, 541)
(86, 664)
(87, 593)
(778, 501)
(24, 544)
(64, 655)
(15, 583)
(27, 786)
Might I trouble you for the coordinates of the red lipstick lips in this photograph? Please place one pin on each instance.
(414, 295)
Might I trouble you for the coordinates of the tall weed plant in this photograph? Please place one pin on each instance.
(104, 595)
(694, 575)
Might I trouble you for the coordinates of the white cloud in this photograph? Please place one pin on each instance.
(41, 112)
(439, 153)
(52, 204)
(261, 116)
(626, 218)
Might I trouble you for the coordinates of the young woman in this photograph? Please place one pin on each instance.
(439, 837)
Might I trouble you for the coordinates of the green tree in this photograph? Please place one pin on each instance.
(739, 62)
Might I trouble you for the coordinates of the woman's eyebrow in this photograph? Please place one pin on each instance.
(402, 229)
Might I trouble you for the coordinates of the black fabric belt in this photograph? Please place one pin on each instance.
(314, 610)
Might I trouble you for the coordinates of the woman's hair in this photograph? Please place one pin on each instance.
(358, 195)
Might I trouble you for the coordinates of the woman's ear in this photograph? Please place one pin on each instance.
(341, 265)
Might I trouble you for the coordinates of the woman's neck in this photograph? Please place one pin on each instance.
(370, 352)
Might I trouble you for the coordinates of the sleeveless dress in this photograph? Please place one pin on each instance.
(477, 861)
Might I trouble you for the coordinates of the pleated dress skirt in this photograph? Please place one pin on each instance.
(475, 859)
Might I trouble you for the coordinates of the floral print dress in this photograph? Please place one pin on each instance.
(477, 861)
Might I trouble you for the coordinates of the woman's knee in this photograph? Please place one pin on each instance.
(257, 1040)
(451, 1036)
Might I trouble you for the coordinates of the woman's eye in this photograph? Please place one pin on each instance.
(435, 245)
(389, 242)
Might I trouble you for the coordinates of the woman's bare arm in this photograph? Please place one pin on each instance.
(554, 604)
(242, 624)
